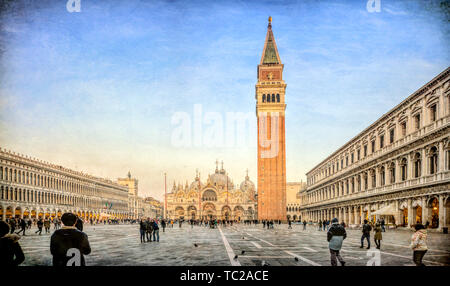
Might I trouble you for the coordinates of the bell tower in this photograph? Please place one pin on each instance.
(270, 112)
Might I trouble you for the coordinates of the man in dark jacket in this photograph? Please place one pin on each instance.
(79, 224)
(23, 226)
(335, 236)
(39, 225)
(11, 253)
(366, 234)
(68, 244)
(155, 231)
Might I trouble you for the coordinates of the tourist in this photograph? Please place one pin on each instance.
(163, 224)
(79, 223)
(23, 226)
(264, 224)
(47, 225)
(366, 234)
(12, 224)
(142, 228)
(155, 231)
(11, 253)
(335, 236)
(149, 228)
(304, 225)
(290, 224)
(320, 225)
(29, 222)
(69, 237)
(419, 244)
(39, 224)
(383, 225)
(377, 237)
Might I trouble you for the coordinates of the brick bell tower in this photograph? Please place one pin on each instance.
(270, 112)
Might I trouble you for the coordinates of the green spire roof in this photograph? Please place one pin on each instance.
(270, 54)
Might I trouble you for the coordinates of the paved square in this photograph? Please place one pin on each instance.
(120, 245)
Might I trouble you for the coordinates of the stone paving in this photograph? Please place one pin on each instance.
(120, 245)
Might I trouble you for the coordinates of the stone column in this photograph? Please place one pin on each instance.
(425, 210)
(362, 213)
(397, 213)
(369, 211)
(441, 212)
(441, 158)
(410, 216)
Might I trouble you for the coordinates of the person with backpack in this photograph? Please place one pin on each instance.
(335, 237)
(69, 238)
(366, 234)
(419, 244)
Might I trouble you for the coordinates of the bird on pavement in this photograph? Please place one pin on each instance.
(235, 257)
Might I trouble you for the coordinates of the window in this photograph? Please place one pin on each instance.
(365, 182)
(381, 141)
(433, 160)
(358, 155)
(391, 136)
(417, 165)
(403, 125)
(417, 121)
(374, 179)
(346, 161)
(278, 97)
(392, 173)
(365, 150)
(352, 158)
(264, 98)
(273, 97)
(342, 163)
(382, 174)
(373, 146)
(433, 113)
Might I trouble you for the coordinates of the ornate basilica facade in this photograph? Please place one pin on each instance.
(398, 167)
(217, 198)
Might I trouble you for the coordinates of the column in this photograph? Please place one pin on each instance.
(345, 215)
(369, 212)
(361, 213)
(441, 212)
(397, 213)
(410, 217)
(425, 211)
(441, 157)
(355, 215)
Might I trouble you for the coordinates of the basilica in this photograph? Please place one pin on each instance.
(215, 198)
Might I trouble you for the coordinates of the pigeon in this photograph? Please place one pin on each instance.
(243, 251)
(195, 244)
(296, 259)
(235, 257)
(243, 237)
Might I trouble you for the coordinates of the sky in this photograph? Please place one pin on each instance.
(103, 90)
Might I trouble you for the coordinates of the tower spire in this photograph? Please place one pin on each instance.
(270, 52)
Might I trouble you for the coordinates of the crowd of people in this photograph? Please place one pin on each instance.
(68, 235)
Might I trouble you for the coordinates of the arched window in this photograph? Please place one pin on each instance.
(417, 165)
(264, 98)
(273, 97)
(382, 176)
(278, 97)
(392, 173)
(433, 160)
(404, 168)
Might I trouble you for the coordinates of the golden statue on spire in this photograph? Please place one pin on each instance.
(270, 19)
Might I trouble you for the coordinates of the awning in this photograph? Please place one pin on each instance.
(387, 210)
(104, 215)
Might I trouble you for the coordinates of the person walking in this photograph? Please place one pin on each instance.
(12, 224)
(69, 238)
(366, 234)
(11, 253)
(320, 225)
(47, 225)
(155, 231)
(142, 230)
(335, 237)
(304, 225)
(290, 224)
(378, 236)
(39, 224)
(23, 226)
(29, 222)
(163, 224)
(419, 244)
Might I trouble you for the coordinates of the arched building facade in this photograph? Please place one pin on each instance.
(398, 167)
(217, 198)
(31, 188)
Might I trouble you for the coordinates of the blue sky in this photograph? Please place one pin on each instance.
(96, 90)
